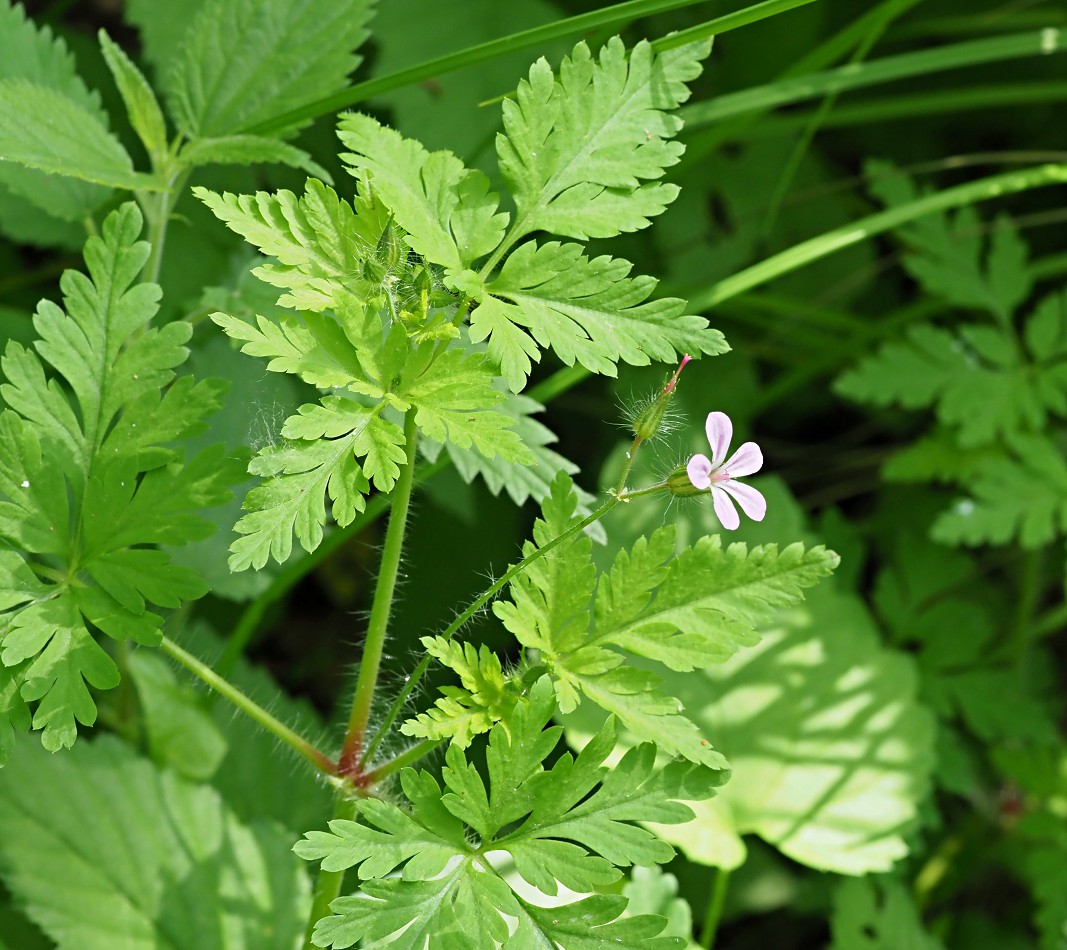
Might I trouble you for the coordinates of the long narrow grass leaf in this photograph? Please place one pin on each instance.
(855, 76)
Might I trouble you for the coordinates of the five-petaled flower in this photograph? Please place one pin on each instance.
(720, 474)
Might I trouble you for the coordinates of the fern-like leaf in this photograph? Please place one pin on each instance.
(686, 611)
(582, 153)
(570, 825)
(86, 493)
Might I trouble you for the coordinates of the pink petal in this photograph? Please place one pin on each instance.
(698, 468)
(724, 509)
(751, 501)
(720, 431)
(747, 460)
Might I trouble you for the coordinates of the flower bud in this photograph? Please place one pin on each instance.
(679, 485)
(650, 419)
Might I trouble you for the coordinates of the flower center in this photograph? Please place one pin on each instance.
(723, 476)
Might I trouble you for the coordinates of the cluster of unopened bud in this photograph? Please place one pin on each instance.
(649, 420)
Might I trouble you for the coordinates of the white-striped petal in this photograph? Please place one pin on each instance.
(747, 460)
(720, 431)
(698, 468)
(724, 509)
(750, 499)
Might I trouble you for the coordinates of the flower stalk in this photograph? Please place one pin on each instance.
(350, 762)
(276, 727)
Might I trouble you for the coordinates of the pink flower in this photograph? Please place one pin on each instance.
(719, 474)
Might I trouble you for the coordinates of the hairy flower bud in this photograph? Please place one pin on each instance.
(649, 420)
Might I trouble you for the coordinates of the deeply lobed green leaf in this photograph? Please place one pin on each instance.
(683, 611)
(571, 824)
(92, 478)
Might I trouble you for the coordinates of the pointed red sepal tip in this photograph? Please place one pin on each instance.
(678, 372)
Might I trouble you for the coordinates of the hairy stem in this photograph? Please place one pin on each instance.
(276, 727)
(621, 484)
(296, 569)
(416, 752)
(381, 608)
(478, 603)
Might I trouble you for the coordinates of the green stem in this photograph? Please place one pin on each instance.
(478, 603)
(888, 11)
(381, 608)
(621, 484)
(158, 206)
(290, 574)
(416, 752)
(713, 915)
(276, 727)
(294, 571)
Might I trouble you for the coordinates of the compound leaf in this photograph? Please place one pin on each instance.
(86, 493)
(571, 824)
(683, 611)
(582, 153)
(589, 311)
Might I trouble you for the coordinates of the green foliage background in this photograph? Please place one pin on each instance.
(899, 769)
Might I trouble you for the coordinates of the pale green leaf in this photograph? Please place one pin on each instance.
(377, 442)
(73, 142)
(320, 241)
(92, 477)
(163, 863)
(142, 108)
(455, 402)
(521, 482)
(323, 357)
(244, 62)
(249, 150)
(571, 824)
(181, 733)
(33, 54)
(449, 214)
(292, 499)
(486, 696)
(582, 153)
(683, 611)
(831, 751)
(589, 311)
